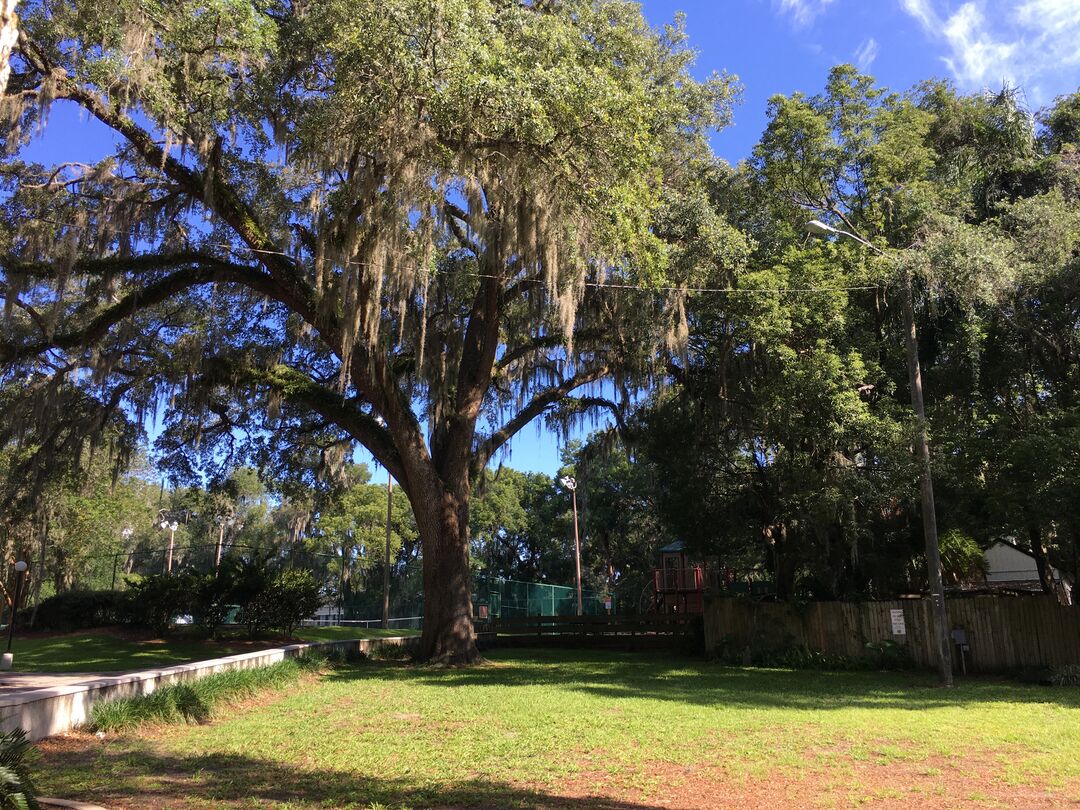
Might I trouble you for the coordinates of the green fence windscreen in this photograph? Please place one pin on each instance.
(505, 598)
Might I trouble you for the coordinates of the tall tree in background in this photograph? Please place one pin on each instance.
(785, 435)
(9, 35)
(340, 222)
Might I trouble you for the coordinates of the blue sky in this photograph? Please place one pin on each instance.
(783, 46)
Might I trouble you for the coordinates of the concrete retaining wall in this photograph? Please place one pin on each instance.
(54, 709)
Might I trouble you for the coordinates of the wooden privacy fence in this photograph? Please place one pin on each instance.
(1002, 633)
(632, 632)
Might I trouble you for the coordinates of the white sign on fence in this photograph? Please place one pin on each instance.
(898, 626)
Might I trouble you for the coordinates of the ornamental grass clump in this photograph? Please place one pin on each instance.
(195, 701)
(1066, 675)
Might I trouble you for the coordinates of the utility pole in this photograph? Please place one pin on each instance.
(220, 542)
(386, 567)
(939, 614)
(571, 484)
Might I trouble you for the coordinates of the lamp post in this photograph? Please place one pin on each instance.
(223, 522)
(571, 484)
(125, 535)
(940, 616)
(20, 573)
(386, 565)
(170, 526)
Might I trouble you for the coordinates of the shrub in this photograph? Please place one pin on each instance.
(272, 600)
(961, 558)
(1065, 675)
(383, 652)
(16, 789)
(80, 610)
(879, 655)
(156, 600)
(295, 595)
(889, 654)
(212, 602)
(267, 599)
(251, 580)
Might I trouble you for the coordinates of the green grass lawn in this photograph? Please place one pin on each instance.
(111, 652)
(589, 729)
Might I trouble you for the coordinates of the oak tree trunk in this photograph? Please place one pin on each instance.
(448, 637)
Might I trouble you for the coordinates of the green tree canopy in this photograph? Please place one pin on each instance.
(340, 222)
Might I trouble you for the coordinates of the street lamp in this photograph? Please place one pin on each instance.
(125, 535)
(170, 526)
(20, 573)
(386, 566)
(571, 484)
(922, 450)
(222, 521)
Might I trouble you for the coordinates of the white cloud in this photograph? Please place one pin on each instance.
(978, 57)
(922, 11)
(866, 54)
(990, 41)
(803, 12)
(1050, 15)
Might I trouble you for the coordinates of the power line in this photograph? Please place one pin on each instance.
(594, 284)
(611, 285)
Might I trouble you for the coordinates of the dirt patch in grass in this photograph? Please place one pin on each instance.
(932, 784)
(884, 784)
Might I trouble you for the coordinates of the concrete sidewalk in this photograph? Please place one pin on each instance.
(16, 682)
(43, 703)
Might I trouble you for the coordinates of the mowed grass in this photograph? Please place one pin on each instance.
(541, 728)
(114, 652)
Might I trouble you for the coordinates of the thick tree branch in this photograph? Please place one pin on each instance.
(585, 403)
(223, 199)
(207, 270)
(540, 403)
(13, 300)
(298, 388)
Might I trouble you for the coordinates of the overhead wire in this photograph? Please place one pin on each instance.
(605, 284)
(593, 284)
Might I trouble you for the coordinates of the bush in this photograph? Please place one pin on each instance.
(79, 610)
(1065, 675)
(295, 595)
(889, 654)
(250, 586)
(879, 655)
(274, 600)
(267, 599)
(16, 789)
(156, 600)
(212, 602)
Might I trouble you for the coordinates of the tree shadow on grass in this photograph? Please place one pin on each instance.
(115, 776)
(617, 675)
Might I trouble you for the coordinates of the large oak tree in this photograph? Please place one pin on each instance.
(398, 223)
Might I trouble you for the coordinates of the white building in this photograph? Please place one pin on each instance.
(1008, 565)
(328, 614)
